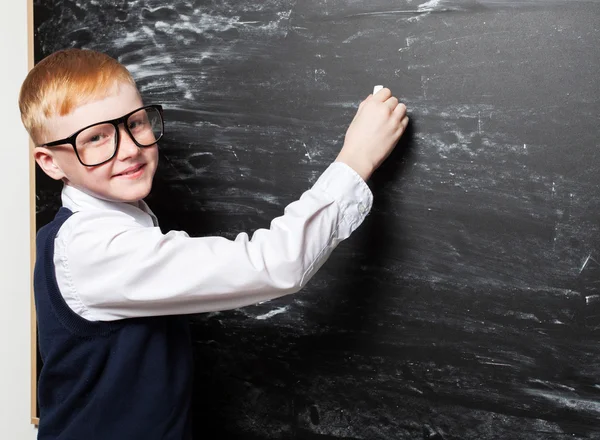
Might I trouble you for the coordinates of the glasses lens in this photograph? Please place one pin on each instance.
(146, 126)
(96, 144)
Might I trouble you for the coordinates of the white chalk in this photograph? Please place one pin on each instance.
(376, 89)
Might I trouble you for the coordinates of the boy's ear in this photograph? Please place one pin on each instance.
(47, 162)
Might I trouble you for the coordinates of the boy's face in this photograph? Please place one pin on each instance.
(127, 177)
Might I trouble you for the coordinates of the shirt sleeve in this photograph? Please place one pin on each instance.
(110, 267)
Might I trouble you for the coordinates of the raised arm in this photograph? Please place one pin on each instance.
(114, 267)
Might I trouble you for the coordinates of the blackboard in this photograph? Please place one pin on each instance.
(467, 305)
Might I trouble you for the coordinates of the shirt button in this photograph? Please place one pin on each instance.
(361, 208)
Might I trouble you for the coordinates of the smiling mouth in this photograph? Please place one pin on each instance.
(131, 171)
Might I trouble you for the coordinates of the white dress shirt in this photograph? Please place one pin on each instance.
(113, 262)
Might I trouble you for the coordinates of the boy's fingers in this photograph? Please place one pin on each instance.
(400, 111)
(383, 95)
(392, 103)
(362, 103)
(403, 125)
(360, 107)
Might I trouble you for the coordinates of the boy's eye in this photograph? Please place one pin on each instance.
(136, 124)
(96, 136)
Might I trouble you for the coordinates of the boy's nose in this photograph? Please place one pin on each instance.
(126, 148)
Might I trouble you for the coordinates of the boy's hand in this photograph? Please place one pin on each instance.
(373, 133)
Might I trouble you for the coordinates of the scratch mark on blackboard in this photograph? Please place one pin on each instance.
(429, 6)
(585, 263)
(566, 400)
(470, 36)
(273, 313)
(180, 176)
(592, 300)
(307, 152)
(397, 12)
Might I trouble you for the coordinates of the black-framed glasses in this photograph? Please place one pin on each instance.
(98, 143)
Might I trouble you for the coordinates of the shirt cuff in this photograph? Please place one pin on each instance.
(350, 192)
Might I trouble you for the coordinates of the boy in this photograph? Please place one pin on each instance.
(112, 291)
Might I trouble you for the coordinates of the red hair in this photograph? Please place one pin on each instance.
(65, 80)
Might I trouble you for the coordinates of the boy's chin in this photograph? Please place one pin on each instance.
(134, 196)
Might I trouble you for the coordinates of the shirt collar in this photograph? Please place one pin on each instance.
(77, 200)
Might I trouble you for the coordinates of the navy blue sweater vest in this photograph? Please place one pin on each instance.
(128, 379)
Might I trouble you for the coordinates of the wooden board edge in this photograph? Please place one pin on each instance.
(32, 228)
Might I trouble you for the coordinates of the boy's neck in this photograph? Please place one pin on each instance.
(136, 203)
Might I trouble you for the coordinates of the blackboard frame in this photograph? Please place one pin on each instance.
(32, 227)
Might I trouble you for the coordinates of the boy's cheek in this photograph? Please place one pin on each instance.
(154, 156)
